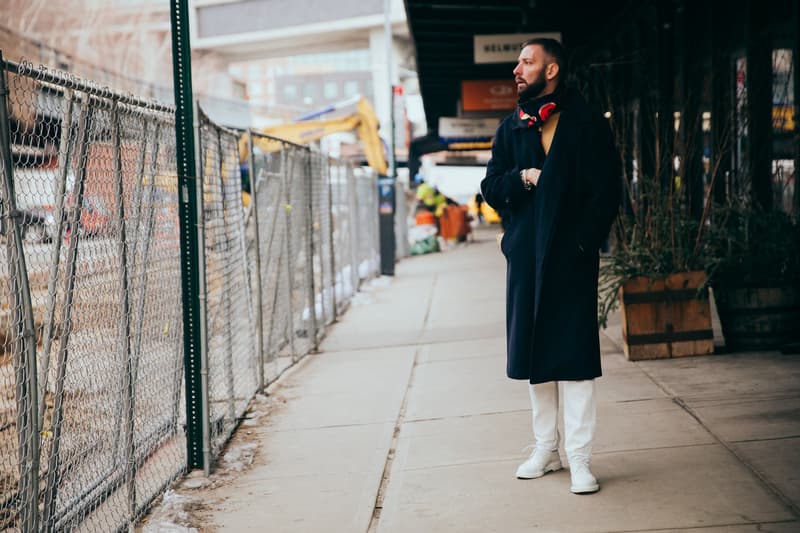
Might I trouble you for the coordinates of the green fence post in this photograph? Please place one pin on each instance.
(188, 211)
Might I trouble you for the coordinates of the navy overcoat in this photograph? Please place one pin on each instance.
(552, 239)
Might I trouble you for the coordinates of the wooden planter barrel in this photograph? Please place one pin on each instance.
(758, 318)
(668, 317)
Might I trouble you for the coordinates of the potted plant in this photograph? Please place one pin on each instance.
(756, 281)
(657, 275)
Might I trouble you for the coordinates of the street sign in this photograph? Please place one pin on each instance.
(504, 48)
(488, 95)
(467, 128)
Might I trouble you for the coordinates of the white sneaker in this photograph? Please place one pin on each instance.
(583, 482)
(539, 463)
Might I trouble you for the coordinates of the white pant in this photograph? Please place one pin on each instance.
(580, 416)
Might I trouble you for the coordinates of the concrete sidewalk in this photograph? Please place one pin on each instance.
(406, 423)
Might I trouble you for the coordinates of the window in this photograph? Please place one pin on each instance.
(350, 88)
(309, 94)
(784, 123)
(782, 90)
(331, 90)
(256, 89)
(289, 92)
(783, 185)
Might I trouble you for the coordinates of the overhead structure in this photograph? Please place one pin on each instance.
(445, 31)
(682, 82)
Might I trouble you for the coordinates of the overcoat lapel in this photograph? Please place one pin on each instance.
(549, 197)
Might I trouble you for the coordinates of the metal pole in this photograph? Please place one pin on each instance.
(259, 295)
(254, 359)
(149, 227)
(53, 464)
(352, 207)
(64, 153)
(132, 464)
(139, 192)
(316, 228)
(227, 288)
(190, 219)
(202, 297)
(312, 311)
(129, 399)
(268, 249)
(129, 272)
(25, 347)
(278, 256)
(387, 32)
(271, 329)
(132, 360)
(386, 207)
(330, 240)
(289, 257)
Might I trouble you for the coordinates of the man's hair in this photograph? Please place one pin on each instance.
(554, 49)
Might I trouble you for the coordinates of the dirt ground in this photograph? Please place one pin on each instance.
(188, 506)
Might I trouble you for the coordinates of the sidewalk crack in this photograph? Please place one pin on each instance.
(387, 467)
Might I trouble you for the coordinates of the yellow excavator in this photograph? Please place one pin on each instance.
(308, 128)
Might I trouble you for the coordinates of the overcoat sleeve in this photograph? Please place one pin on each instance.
(600, 172)
(502, 187)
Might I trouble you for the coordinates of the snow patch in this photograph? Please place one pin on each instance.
(173, 515)
(362, 298)
(237, 458)
(383, 281)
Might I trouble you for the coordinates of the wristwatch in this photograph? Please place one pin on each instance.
(525, 184)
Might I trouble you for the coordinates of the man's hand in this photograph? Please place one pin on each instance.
(531, 175)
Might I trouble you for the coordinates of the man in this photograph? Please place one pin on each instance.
(556, 176)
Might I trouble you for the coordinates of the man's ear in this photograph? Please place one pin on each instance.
(551, 72)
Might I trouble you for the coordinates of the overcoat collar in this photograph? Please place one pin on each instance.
(572, 106)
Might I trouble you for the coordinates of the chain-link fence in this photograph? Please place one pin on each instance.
(92, 394)
(90, 368)
(317, 222)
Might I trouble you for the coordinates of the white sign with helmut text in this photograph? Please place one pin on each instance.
(504, 48)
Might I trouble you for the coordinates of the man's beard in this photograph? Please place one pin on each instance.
(534, 89)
